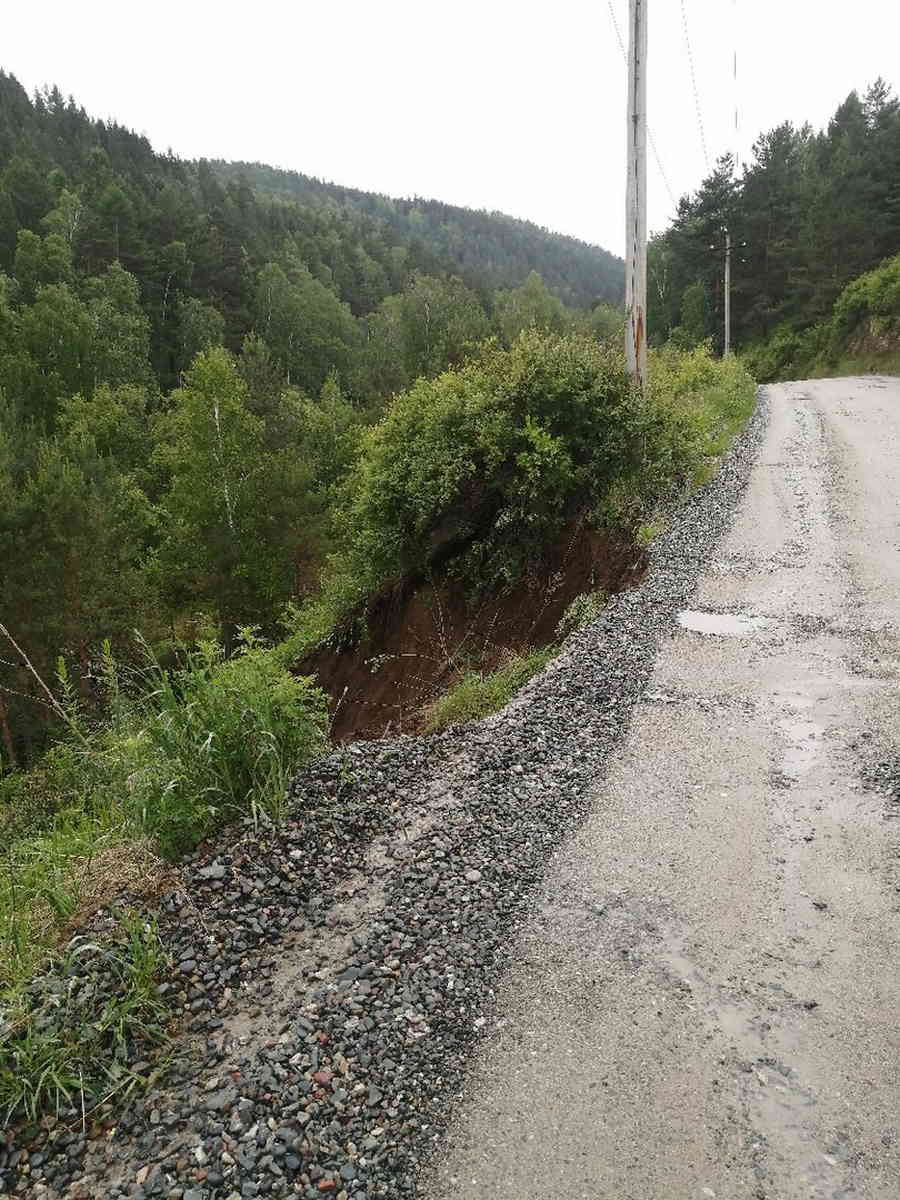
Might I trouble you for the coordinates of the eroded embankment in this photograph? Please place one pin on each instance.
(336, 971)
(420, 637)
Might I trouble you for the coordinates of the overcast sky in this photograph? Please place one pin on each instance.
(499, 104)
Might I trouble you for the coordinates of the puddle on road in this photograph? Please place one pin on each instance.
(721, 624)
(804, 740)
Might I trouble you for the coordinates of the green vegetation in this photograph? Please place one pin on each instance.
(61, 1042)
(189, 354)
(478, 695)
(516, 439)
(581, 612)
(468, 475)
(183, 750)
(811, 213)
(862, 335)
(519, 439)
(487, 248)
(504, 429)
(705, 400)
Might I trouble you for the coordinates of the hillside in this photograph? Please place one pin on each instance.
(861, 335)
(119, 268)
(488, 247)
(204, 230)
(808, 214)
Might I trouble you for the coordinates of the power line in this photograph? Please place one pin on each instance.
(690, 54)
(650, 137)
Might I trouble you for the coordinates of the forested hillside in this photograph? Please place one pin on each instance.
(810, 213)
(202, 231)
(861, 335)
(486, 246)
(189, 354)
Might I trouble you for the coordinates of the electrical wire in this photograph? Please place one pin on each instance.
(650, 137)
(690, 54)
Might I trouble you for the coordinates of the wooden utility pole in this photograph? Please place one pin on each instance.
(727, 292)
(636, 196)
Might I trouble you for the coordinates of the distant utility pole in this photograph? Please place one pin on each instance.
(729, 247)
(636, 196)
(727, 292)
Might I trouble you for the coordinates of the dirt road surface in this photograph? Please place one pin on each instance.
(707, 1000)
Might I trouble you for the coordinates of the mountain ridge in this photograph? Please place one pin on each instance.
(402, 212)
(141, 198)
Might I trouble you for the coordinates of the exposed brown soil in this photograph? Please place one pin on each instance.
(419, 640)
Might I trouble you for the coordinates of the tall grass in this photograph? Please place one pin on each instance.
(477, 694)
(184, 751)
(68, 1039)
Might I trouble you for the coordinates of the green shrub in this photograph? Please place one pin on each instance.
(774, 358)
(875, 294)
(483, 464)
(869, 304)
(789, 353)
(696, 406)
(475, 472)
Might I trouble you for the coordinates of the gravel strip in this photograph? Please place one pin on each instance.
(336, 972)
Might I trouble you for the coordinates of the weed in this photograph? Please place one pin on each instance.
(72, 1034)
(649, 531)
(477, 695)
(583, 611)
(188, 749)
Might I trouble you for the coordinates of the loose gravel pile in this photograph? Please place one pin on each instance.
(884, 776)
(334, 973)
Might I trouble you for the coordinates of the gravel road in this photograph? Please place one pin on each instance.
(628, 939)
(705, 1002)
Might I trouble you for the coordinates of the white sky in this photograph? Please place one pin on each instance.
(499, 104)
